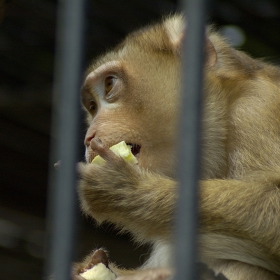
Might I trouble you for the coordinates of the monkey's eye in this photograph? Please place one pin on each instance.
(92, 107)
(109, 84)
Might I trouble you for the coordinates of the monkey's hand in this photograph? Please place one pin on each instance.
(125, 195)
(99, 258)
(94, 267)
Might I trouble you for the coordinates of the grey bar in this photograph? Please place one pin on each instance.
(65, 121)
(189, 143)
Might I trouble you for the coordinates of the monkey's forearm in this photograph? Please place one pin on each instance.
(247, 208)
(147, 210)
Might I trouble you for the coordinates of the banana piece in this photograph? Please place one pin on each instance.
(120, 149)
(98, 272)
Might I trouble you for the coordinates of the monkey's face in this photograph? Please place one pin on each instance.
(132, 95)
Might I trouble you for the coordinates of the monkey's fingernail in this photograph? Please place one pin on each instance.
(96, 144)
(96, 140)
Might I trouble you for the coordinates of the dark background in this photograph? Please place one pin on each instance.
(27, 50)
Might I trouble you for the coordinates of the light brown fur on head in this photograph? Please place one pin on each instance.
(132, 93)
(145, 91)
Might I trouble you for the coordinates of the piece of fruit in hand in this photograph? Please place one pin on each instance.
(121, 149)
(98, 272)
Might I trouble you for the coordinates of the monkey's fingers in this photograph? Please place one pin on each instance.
(97, 267)
(102, 150)
(99, 256)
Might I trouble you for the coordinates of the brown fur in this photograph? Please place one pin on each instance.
(239, 203)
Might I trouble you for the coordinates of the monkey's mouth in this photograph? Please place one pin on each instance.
(135, 149)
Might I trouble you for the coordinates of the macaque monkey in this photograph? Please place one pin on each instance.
(132, 93)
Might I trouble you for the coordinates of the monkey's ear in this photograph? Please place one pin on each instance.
(175, 27)
(210, 53)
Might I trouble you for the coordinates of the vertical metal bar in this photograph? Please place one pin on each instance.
(62, 193)
(189, 144)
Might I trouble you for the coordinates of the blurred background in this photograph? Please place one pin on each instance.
(27, 48)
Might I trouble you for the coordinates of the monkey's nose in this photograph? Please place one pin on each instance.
(88, 138)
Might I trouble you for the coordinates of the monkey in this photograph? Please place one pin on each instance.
(133, 93)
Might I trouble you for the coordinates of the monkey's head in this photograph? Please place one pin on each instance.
(132, 94)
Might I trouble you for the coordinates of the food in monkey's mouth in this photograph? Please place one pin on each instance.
(135, 149)
(126, 151)
(98, 272)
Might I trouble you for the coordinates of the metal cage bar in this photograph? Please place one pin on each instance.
(189, 140)
(62, 197)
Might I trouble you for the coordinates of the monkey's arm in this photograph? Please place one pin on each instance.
(239, 218)
(144, 203)
(247, 208)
